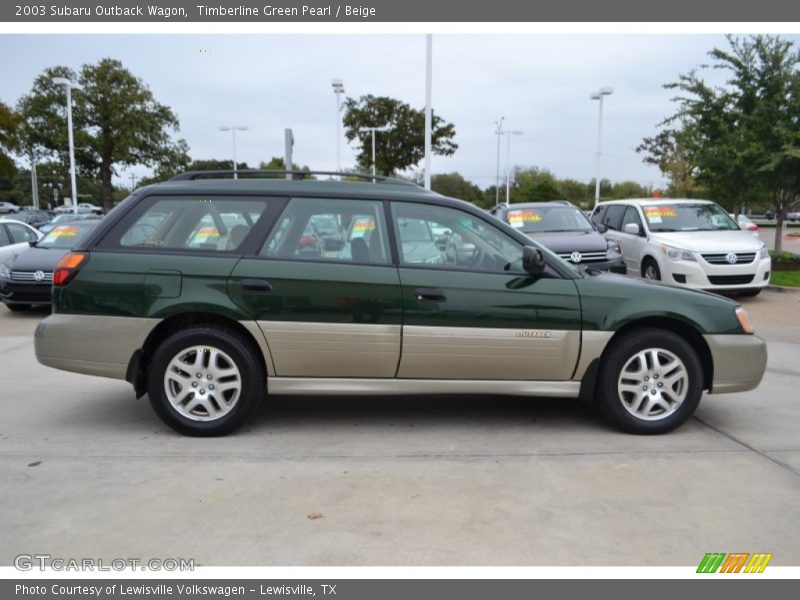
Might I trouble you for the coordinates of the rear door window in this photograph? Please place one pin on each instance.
(336, 230)
(5, 240)
(194, 223)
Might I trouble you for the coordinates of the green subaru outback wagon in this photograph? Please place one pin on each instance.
(209, 293)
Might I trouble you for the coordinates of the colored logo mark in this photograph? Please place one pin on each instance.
(735, 562)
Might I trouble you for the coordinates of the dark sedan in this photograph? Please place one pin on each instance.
(26, 279)
(564, 229)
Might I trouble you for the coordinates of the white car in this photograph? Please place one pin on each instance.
(745, 224)
(15, 237)
(83, 207)
(692, 243)
(8, 208)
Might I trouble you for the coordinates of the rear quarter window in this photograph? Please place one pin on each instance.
(205, 223)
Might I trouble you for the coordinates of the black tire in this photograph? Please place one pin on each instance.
(750, 293)
(650, 263)
(608, 398)
(253, 380)
(18, 307)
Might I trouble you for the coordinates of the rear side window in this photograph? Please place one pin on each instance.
(613, 216)
(196, 223)
(20, 234)
(597, 215)
(350, 231)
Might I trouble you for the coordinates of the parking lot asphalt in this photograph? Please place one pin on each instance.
(88, 471)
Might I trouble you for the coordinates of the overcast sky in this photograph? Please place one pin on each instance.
(539, 83)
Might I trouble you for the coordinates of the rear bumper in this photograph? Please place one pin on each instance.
(739, 362)
(90, 344)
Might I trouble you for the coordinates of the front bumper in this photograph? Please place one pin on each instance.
(38, 294)
(704, 276)
(739, 361)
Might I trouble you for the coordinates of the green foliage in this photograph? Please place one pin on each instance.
(117, 123)
(9, 123)
(785, 278)
(739, 140)
(400, 148)
(455, 186)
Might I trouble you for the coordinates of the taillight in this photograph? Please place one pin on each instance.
(752, 227)
(68, 267)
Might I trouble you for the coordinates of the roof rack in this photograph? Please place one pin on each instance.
(301, 174)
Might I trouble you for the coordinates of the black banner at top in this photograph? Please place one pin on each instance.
(376, 11)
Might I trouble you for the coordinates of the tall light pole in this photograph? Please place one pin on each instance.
(338, 89)
(498, 132)
(508, 162)
(233, 129)
(598, 95)
(373, 130)
(69, 85)
(428, 109)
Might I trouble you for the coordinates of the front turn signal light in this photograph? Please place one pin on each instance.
(744, 320)
(68, 267)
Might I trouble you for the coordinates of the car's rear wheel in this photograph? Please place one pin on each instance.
(650, 381)
(650, 270)
(205, 381)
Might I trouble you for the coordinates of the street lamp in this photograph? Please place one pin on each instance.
(498, 132)
(69, 85)
(338, 89)
(373, 130)
(598, 95)
(233, 129)
(508, 162)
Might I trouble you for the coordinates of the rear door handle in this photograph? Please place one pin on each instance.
(256, 286)
(430, 295)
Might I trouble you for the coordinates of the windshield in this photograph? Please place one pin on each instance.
(688, 217)
(65, 237)
(543, 219)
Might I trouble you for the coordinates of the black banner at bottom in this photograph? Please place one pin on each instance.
(733, 588)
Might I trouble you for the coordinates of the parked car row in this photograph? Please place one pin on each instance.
(691, 243)
(28, 260)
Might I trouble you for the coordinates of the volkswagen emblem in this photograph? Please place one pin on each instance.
(575, 257)
(39, 276)
(731, 258)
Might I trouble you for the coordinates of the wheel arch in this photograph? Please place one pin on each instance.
(646, 257)
(139, 364)
(690, 333)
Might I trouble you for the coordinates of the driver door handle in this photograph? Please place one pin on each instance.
(256, 286)
(430, 295)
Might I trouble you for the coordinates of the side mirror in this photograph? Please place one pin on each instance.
(32, 243)
(532, 260)
(633, 229)
(601, 228)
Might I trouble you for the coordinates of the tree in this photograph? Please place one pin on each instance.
(455, 186)
(117, 123)
(742, 137)
(8, 140)
(669, 150)
(403, 146)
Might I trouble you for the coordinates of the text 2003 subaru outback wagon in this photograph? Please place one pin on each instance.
(208, 294)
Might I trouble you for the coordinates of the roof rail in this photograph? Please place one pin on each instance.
(295, 174)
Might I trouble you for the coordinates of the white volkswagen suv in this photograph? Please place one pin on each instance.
(692, 243)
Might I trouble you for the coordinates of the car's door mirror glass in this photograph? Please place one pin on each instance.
(532, 260)
(633, 229)
(601, 228)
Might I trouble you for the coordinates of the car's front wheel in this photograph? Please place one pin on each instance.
(650, 381)
(650, 270)
(205, 381)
